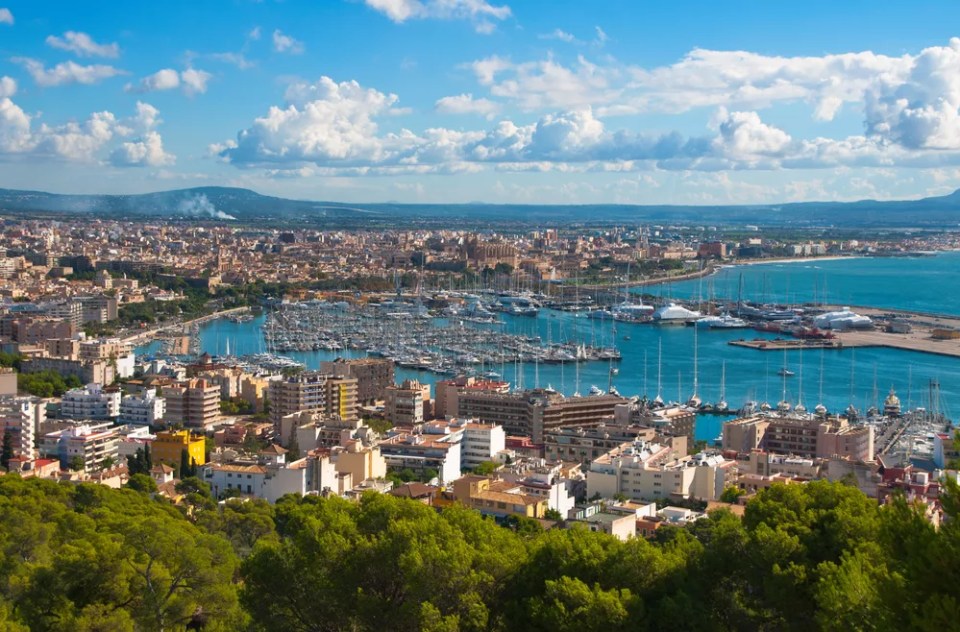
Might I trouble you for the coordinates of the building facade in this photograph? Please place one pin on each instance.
(91, 402)
(195, 403)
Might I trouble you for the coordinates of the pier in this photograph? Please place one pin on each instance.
(920, 337)
(780, 344)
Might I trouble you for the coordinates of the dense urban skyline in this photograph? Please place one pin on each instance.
(470, 100)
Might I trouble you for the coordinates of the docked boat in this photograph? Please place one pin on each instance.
(632, 312)
(600, 314)
(671, 313)
(785, 373)
(518, 306)
(724, 321)
(842, 319)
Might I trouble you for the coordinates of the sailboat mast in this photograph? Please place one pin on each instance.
(659, 368)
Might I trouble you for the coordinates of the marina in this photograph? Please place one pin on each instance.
(747, 377)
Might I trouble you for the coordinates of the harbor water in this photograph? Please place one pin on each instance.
(862, 376)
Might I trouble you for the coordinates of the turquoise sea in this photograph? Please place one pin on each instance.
(924, 283)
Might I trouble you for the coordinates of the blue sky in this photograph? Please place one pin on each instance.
(483, 100)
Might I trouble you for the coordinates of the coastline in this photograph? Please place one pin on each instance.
(759, 262)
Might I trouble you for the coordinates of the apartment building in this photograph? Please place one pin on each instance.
(535, 412)
(62, 347)
(422, 452)
(92, 401)
(669, 421)
(88, 371)
(22, 417)
(481, 442)
(803, 435)
(448, 392)
(651, 471)
(168, 447)
(33, 330)
(373, 376)
(586, 444)
(113, 350)
(146, 409)
(94, 444)
(358, 461)
(313, 391)
(406, 404)
(195, 403)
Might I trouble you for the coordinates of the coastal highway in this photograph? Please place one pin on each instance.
(177, 327)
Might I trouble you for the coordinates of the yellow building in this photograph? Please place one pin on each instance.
(168, 447)
(497, 498)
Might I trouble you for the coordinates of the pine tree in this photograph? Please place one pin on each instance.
(147, 459)
(136, 463)
(293, 448)
(7, 452)
(184, 464)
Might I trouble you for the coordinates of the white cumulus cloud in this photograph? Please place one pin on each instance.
(6, 17)
(480, 12)
(466, 104)
(83, 45)
(321, 122)
(67, 72)
(191, 80)
(147, 151)
(285, 44)
(8, 87)
(21, 134)
(920, 110)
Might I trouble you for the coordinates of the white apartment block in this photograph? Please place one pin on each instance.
(90, 402)
(142, 410)
(481, 442)
(93, 443)
(21, 417)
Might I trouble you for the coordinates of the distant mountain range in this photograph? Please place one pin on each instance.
(225, 203)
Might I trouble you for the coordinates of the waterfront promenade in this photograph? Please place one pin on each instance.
(178, 328)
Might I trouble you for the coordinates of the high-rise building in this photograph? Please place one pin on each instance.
(195, 403)
(373, 375)
(313, 391)
(21, 417)
(405, 404)
(532, 413)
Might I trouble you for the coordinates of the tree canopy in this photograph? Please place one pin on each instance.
(819, 556)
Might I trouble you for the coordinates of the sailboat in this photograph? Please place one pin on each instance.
(800, 408)
(852, 412)
(694, 401)
(721, 405)
(784, 406)
(820, 409)
(784, 371)
(658, 400)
